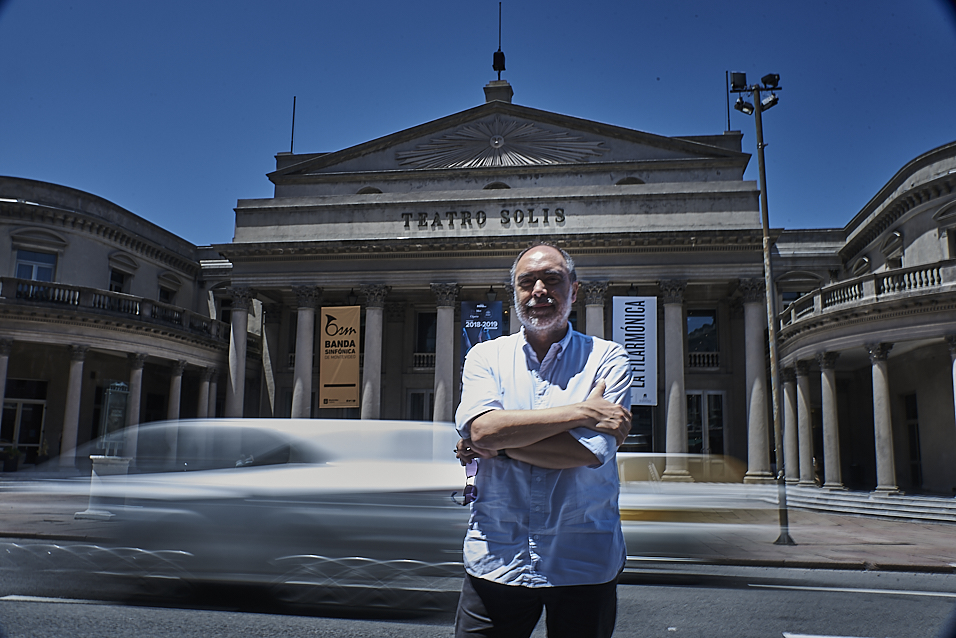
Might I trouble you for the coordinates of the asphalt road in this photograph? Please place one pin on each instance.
(658, 600)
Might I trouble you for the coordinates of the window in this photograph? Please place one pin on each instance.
(421, 405)
(166, 295)
(35, 266)
(702, 331)
(705, 422)
(629, 180)
(496, 186)
(118, 281)
(641, 436)
(425, 332)
(24, 409)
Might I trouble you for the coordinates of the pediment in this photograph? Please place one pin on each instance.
(500, 135)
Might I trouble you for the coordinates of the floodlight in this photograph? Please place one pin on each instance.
(738, 81)
(771, 80)
(767, 102)
(744, 107)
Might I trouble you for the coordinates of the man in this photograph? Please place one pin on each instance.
(543, 412)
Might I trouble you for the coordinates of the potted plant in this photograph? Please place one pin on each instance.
(11, 458)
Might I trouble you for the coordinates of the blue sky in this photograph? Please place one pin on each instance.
(174, 110)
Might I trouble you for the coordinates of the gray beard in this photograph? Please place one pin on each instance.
(535, 324)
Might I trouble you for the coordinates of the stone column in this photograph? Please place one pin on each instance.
(372, 357)
(833, 478)
(675, 397)
(755, 321)
(236, 390)
(513, 321)
(271, 357)
(6, 347)
(594, 293)
(175, 390)
(393, 354)
(882, 419)
(804, 426)
(71, 412)
(306, 300)
(213, 392)
(447, 295)
(202, 409)
(791, 453)
(136, 363)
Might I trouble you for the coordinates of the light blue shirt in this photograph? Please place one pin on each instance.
(532, 526)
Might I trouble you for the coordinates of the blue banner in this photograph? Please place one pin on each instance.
(480, 321)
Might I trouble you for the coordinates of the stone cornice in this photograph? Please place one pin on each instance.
(894, 208)
(445, 248)
(47, 215)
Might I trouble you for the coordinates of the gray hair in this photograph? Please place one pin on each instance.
(569, 262)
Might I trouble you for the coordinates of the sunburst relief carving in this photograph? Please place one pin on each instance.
(500, 143)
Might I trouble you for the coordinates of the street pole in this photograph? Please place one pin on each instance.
(784, 538)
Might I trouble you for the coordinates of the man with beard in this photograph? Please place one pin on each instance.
(542, 414)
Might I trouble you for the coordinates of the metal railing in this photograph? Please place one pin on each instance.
(423, 360)
(703, 360)
(112, 303)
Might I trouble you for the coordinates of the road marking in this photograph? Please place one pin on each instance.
(43, 599)
(851, 590)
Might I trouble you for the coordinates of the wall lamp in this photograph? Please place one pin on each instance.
(491, 295)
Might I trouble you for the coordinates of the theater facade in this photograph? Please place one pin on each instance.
(409, 226)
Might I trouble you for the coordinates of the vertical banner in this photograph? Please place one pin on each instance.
(635, 328)
(480, 321)
(339, 367)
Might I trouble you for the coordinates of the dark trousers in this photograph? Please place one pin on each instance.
(492, 610)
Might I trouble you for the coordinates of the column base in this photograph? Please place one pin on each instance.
(834, 487)
(758, 478)
(805, 483)
(883, 490)
(677, 476)
(792, 481)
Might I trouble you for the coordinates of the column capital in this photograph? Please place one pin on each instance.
(803, 368)
(394, 312)
(594, 292)
(6, 347)
(827, 360)
(178, 367)
(78, 353)
(307, 296)
(672, 291)
(242, 298)
(206, 374)
(375, 295)
(136, 360)
(878, 351)
(510, 289)
(788, 374)
(447, 294)
(753, 290)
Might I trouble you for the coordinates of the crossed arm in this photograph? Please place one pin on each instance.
(540, 437)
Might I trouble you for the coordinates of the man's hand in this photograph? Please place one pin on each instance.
(467, 451)
(607, 417)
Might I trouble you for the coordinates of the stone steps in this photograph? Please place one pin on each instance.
(935, 509)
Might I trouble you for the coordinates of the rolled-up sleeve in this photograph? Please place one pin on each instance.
(616, 373)
(480, 391)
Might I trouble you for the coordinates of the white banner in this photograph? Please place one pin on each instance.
(635, 328)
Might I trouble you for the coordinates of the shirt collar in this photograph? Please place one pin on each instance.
(559, 347)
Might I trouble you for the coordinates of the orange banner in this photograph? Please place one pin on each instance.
(339, 367)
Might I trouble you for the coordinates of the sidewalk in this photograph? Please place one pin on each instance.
(738, 537)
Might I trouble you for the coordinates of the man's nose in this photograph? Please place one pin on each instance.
(539, 288)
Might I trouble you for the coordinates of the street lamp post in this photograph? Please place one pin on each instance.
(769, 83)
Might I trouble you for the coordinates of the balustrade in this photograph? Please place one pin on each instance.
(105, 301)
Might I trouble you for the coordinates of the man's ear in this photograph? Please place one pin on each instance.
(574, 291)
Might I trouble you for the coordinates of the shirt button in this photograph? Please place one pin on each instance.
(537, 508)
(538, 479)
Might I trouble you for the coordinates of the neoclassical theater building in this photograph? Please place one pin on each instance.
(107, 320)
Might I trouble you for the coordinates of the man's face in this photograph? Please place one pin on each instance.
(544, 291)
